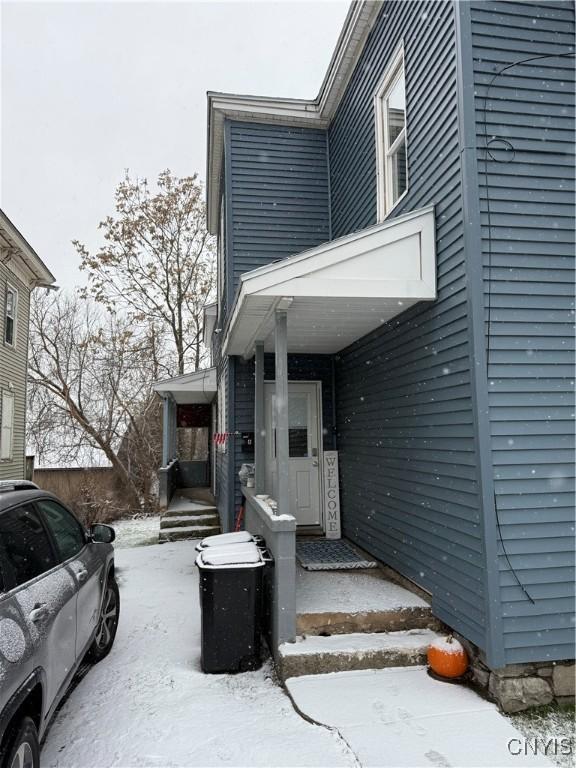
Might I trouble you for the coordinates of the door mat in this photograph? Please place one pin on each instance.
(330, 555)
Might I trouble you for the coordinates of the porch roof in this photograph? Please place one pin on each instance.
(339, 291)
(189, 388)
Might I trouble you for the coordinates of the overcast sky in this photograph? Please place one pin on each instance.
(89, 89)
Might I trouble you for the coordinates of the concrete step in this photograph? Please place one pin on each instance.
(342, 623)
(187, 532)
(185, 507)
(188, 520)
(340, 653)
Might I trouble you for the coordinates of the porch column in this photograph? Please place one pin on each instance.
(165, 431)
(281, 411)
(259, 422)
(173, 430)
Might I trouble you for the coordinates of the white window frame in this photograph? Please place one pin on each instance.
(394, 71)
(11, 289)
(6, 429)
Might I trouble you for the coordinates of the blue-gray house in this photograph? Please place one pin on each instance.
(395, 283)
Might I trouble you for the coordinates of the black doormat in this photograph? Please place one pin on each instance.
(330, 555)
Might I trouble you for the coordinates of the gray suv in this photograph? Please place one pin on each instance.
(59, 604)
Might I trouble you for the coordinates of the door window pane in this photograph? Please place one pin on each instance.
(298, 425)
(26, 545)
(67, 531)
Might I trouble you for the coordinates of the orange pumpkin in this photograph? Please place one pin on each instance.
(447, 657)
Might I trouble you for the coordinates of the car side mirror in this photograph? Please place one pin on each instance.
(102, 534)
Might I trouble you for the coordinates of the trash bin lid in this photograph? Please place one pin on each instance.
(222, 539)
(245, 556)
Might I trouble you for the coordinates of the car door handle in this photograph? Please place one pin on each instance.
(38, 613)
(82, 575)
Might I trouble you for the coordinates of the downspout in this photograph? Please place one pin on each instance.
(473, 255)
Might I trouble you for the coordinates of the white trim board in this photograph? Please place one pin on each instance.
(339, 291)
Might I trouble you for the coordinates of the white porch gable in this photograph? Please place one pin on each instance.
(340, 291)
(189, 388)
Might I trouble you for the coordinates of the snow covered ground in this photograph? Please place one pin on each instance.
(402, 717)
(136, 532)
(148, 703)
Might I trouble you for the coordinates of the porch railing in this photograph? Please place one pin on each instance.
(280, 535)
(167, 483)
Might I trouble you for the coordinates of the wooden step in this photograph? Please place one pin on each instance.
(340, 653)
(187, 532)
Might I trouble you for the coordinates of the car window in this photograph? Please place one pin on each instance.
(26, 545)
(67, 531)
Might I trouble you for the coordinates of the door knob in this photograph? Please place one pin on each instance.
(315, 463)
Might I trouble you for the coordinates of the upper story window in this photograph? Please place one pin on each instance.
(10, 308)
(390, 108)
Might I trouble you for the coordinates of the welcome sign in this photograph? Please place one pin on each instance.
(332, 495)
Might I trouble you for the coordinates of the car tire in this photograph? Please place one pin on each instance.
(22, 748)
(107, 623)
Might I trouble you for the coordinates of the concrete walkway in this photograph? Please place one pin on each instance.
(402, 717)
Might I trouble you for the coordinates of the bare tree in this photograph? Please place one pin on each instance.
(157, 264)
(90, 379)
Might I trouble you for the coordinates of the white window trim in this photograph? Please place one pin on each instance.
(6, 448)
(383, 175)
(12, 289)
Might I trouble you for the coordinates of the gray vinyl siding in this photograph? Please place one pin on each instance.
(530, 286)
(276, 206)
(278, 193)
(406, 436)
(13, 372)
(300, 368)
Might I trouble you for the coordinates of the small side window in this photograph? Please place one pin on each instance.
(26, 545)
(67, 531)
(6, 425)
(10, 310)
(391, 146)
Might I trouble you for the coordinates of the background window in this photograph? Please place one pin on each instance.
(26, 544)
(6, 425)
(10, 316)
(390, 109)
(67, 531)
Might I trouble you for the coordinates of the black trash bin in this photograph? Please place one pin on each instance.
(231, 607)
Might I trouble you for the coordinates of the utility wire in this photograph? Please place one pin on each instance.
(509, 147)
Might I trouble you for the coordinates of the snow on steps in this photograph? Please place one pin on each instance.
(316, 655)
(187, 520)
(187, 532)
(190, 508)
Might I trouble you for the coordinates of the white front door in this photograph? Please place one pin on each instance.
(304, 439)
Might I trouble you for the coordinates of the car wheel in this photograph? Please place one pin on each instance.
(107, 624)
(22, 749)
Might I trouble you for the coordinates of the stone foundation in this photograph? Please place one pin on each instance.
(522, 686)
